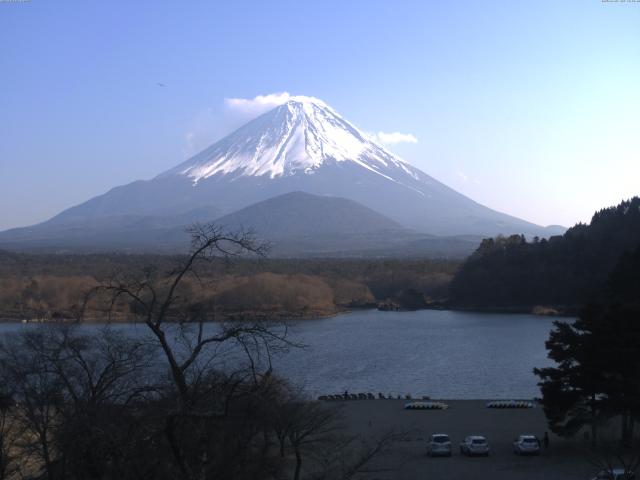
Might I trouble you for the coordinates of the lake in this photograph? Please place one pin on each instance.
(443, 354)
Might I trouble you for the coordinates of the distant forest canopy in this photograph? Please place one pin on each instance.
(563, 271)
(50, 286)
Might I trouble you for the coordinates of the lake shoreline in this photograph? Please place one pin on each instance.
(225, 317)
(286, 316)
(539, 310)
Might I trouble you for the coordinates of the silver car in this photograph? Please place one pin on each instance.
(475, 445)
(615, 474)
(439, 444)
(526, 445)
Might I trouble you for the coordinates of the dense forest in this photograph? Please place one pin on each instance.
(563, 271)
(51, 286)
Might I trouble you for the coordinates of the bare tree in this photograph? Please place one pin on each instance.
(96, 405)
(156, 301)
(188, 343)
(309, 423)
(315, 431)
(9, 432)
(610, 453)
(348, 456)
(70, 390)
(37, 392)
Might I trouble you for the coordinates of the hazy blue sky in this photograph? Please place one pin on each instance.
(529, 107)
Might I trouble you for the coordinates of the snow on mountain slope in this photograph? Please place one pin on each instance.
(298, 136)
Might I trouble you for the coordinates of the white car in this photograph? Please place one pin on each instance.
(615, 474)
(439, 444)
(526, 445)
(475, 445)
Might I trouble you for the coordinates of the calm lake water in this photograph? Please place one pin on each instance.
(444, 354)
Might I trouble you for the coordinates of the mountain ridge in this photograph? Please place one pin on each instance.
(295, 224)
(287, 215)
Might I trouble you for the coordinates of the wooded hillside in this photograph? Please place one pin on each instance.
(564, 271)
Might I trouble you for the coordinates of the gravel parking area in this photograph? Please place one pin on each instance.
(407, 457)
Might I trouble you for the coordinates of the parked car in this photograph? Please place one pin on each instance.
(526, 445)
(475, 445)
(615, 474)
(439, 444)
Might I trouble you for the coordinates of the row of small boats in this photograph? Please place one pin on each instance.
(494, 404)
(510, 404)
(366, 396)
(348, 396)
(426, 406)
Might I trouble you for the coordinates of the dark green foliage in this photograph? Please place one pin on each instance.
(624, 282)
(564, 271)
(573, 392)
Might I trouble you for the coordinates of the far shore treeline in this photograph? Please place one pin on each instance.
(50, 287)
(555, 275)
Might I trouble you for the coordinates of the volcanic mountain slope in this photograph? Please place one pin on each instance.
(299, 214)
(294, 224)
(302, 145)
(301, 224)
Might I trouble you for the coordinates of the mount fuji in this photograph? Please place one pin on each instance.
(303, 145)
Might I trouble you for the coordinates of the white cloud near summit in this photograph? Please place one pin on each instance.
(257, 105)
(395, 137)
(263, 103)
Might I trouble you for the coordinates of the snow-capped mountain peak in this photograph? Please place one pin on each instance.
(301, 145)
(297, 137)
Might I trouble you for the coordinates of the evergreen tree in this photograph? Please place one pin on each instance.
(622, 339)
(598, 360)
(573, 393)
